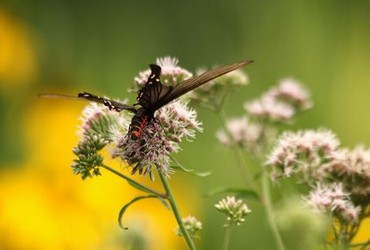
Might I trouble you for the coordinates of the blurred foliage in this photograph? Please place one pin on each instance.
(67, 46)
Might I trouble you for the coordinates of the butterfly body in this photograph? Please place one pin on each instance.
(141, 118)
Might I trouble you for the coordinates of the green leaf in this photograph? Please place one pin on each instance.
(136, 186)
(164, 202)
(191, 171)
(178, 166)
(240, 192)
(124, 208)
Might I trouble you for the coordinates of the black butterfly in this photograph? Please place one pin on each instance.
(155, 95)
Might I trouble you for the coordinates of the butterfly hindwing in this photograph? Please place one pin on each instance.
(150, 96)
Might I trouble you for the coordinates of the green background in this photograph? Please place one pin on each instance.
(99, 46)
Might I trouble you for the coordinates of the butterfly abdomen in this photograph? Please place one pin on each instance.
(141, 118)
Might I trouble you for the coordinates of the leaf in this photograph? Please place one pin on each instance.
(241, 192)
(124, 208)
(164, 202)
(189, 171)
(136, 186)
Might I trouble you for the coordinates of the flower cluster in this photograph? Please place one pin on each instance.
(256, 129)
(280, 103)
(171, 73)
(241, 131)
(341, 177)
(192, 225)
(161, 136)
(235, 210)
(292, 92)
(269, 108)
(302, 153)
(352, 168)
(333, 199)
(95, 134)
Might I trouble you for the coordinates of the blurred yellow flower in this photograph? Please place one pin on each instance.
(18, 62)
(363, 233)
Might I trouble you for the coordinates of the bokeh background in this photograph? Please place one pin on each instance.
(67, 46)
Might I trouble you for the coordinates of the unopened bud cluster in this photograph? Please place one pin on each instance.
(192, 225)
(235, 210)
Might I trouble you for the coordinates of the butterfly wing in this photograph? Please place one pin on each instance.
(194, 82)
(112, 105)
(153, 91)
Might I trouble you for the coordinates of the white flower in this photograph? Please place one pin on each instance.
(302, 153)
(90, 113)
(192, 225)
(211, 92)
(333, 199)
(352, 168)
(236, 77)
(160, 137)
(293, 92)
(171, 73)
(240, 131)
(95, 133)
(101, 120)
(280, 103)
(235, 210)
(178, 120)
(268, 108)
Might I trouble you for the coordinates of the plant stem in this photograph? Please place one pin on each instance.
(243, 166)
(132, 182)
(227, 235)
(170, 198)
(266, 195)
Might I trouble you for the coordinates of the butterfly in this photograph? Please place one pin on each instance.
(155, 95)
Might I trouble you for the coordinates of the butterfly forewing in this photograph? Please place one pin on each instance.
(153, 91)
(112, 105)
(194, 82)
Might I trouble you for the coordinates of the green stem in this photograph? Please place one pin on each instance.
(269, 210)
(243, 166)
(131, 181)
(342, 242)
(227, 235)
(176, 212)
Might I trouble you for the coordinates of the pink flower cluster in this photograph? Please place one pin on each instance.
(332, 198)
(302, 153)
(280, 103)
(160, 138)
(171, 73)
(314, 157)
(256, 129)
(240, 131)
(352, 168)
